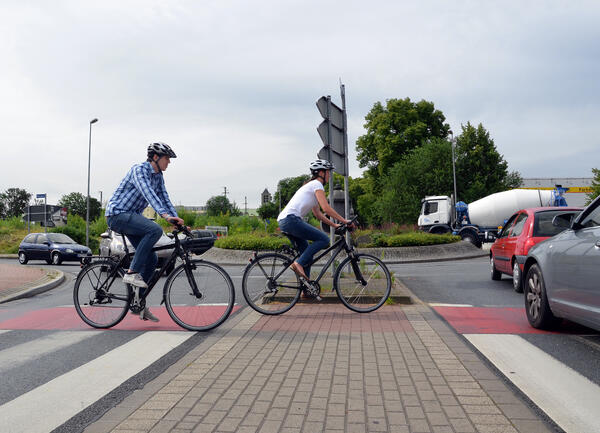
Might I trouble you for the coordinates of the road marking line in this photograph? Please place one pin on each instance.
(50, 405)
(435, 304)
(2, 331)
(567, 397)
(22, 353)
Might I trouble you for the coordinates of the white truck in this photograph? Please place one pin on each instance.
(480, 221)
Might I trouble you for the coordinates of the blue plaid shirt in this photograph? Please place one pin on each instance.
(141, 186)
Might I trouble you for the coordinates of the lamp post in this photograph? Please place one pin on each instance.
(87, 210)
(453, 144)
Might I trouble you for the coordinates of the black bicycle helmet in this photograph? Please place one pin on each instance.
(160, 149)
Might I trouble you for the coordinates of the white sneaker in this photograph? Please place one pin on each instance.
(135, 279)
(147, 315)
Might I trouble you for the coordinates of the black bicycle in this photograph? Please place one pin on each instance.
(199, 295)
(362, 282)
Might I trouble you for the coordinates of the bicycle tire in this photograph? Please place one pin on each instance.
(95, 305)
(207, 312)
(259, 285)
(356, 296)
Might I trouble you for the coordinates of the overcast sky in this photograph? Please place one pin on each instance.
(232, 85)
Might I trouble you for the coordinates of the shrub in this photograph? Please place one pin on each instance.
(251, 241)
(413, 239)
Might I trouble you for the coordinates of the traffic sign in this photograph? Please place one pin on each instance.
(337, 160)
(336, 114)
(40, 195)
(337, 137)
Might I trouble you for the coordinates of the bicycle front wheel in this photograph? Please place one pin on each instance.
(269, 285)
(208, 306)
(363, 283)
(100, 296)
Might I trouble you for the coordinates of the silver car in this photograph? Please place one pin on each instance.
(112, 244)
(563, 272)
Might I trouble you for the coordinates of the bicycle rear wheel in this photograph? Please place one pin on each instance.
(215, 301)
(363, 283)
(101, 300)
(269, 285)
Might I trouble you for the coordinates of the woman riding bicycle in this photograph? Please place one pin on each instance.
(311, 196)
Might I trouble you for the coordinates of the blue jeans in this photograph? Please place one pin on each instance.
(143, 234)
(303, 232)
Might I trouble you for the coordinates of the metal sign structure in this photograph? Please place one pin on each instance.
(334, 134)
(48, 215)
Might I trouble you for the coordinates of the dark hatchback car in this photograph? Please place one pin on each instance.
(54, 248)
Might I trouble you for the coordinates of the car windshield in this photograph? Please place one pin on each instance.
(543, 223)
(60, 238)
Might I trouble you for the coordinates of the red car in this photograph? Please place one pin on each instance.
(523, 230)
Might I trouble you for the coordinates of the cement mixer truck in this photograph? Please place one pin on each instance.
(481, 220)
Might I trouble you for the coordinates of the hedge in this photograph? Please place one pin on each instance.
(410, 239)
(252, 242)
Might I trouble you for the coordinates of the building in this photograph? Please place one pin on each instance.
(265, 197)
(578, 187)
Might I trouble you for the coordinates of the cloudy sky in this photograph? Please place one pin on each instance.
(232, 85)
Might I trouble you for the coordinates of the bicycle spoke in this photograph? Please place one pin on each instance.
(271, 292)
(351, 290)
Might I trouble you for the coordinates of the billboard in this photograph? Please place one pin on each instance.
(55, 216)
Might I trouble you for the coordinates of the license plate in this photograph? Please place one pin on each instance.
(82, 255)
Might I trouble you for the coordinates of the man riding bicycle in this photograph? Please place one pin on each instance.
(143, 185)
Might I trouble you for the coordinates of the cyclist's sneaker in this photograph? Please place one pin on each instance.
(135, 279)
(147, 315)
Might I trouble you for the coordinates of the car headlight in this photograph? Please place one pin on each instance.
(119, 247)
(69, 250)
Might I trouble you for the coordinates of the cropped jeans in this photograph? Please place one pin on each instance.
(303, 232)
(143, 234)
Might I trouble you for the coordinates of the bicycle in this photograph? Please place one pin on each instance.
(199, 295)
(271, 287)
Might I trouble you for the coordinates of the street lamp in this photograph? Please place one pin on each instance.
(87, 210)
(453, 144)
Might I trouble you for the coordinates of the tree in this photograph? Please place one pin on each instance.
(76, 203)
(396, 129)
(287, 187)
(220, 205)
(14, 201)
(480, 169)
(425, 170)
(268, 210)
(595, 186)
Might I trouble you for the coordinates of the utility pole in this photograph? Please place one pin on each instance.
(245, 205)
(225, 191)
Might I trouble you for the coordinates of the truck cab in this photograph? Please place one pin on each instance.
(436, 214)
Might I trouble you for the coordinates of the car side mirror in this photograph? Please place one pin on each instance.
(105, 235)
(563, 220)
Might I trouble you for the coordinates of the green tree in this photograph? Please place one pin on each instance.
(220, 205)
(287, 187)
(425, 170)
(14, 201)
(480, 169)
(76, 203)
(595, 186)
(268, 210)
(395, 129)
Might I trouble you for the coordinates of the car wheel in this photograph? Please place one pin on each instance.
(56, 258)
(537, 308)
(472, 238)
(494, 273)
(517, 283)
(23, 258)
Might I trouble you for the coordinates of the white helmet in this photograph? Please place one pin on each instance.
(320, 164)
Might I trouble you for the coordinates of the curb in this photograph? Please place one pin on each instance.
(432, 253)
(52, 279)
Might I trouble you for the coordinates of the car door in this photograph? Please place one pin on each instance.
(42, 247)
(575, 268)
(510, 242)
(500, 259)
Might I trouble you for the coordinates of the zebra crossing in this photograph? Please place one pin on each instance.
(561, 388)
(61, 386)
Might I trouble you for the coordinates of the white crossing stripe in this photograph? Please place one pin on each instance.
(567, 397)
(2, 331)
(22, 353)
(50, 405)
